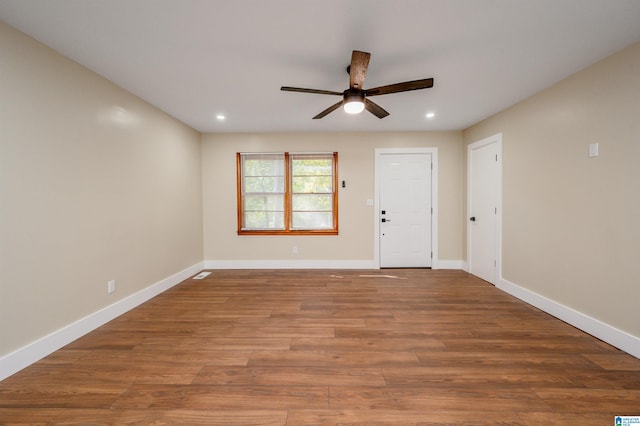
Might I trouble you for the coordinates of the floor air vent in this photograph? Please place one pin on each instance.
(201, 275)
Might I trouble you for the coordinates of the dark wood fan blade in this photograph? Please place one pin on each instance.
(328, 110)
(319, 92)
(358, 68)
(375, 109)
(400, 87)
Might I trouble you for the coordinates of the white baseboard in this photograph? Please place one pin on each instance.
(447, 264)
(313, 264)
(290, 264)
(27, 355)
(605, 332)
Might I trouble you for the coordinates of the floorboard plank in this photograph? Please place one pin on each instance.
(215, 397)
(386, 417)
(286, 376)
(450, 398)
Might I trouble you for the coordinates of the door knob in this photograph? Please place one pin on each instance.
(385, 220)
(472, 218)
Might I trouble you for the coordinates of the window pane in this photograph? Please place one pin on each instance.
(311, 165)
(264, 184)
(312, 191)
(313, 202)
(263, 220)
(264, 202)
(318, 184)
(263, 164)
(263, 191)
(311, 220)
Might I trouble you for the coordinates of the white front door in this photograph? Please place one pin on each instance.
(405, 210)
(483, 172)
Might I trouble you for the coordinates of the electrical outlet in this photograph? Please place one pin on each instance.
(111, 286)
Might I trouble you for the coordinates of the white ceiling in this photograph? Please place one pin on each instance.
(195, 59)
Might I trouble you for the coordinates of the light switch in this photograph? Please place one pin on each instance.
(593, 150)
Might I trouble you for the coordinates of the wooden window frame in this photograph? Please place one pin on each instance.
(287, 200)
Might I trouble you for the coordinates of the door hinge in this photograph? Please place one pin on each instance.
(432, 255)
(495, 210)
(496, 157)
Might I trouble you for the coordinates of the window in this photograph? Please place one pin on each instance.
(287, 193)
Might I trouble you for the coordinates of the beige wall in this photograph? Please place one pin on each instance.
(94, 185)
(570, 222)
(356, 153)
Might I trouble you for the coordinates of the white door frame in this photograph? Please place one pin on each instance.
(434, 199)
(497, 139)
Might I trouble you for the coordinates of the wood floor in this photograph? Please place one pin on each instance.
(382, 347)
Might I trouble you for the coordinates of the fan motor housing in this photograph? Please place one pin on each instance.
(353, 95)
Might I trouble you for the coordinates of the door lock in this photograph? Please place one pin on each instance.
(472, 218)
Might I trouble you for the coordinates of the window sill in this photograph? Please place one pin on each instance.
(298, 232)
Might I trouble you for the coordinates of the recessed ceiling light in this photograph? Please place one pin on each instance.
(220, 117)
(431, 114)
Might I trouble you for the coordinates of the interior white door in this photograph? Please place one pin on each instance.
(405, 210)
(482, 254)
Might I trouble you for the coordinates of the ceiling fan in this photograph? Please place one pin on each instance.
(355, 98)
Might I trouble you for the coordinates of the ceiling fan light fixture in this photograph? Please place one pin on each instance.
(354, 107)
(353, 103)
